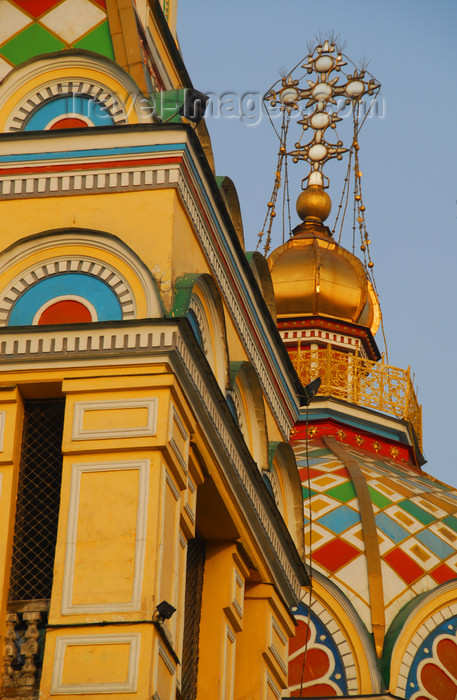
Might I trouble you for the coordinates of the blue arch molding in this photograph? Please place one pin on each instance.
(97, 292)
(84, 105)
(195, 327)
(325, 639)
(425, 651)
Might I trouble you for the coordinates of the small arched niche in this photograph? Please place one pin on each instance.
(285, 483)
(197, 297)
(247, 396)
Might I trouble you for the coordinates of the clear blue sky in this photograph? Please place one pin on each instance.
(408, 158)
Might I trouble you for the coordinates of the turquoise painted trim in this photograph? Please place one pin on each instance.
(195, 327)
(98, 152)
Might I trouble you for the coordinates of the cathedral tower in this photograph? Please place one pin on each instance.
(146, 400)
(380, 534)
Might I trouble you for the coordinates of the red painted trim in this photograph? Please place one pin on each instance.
(322, 323)
(360, 439)
(87, 165)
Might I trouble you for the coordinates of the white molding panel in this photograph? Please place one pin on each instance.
(183, 434)
(2, 430)
(81, 407)
(129, 686)
(134, 604)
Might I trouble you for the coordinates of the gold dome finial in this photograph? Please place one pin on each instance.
(313, 204)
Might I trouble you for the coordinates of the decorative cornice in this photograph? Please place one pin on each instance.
(329, 331)
(360, 439)
(138, 165)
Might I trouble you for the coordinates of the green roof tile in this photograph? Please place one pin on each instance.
(451, 521)
(98, 40)
(33, 41)
(344, 492)
(378, 498)
(307, 493)
(417, 512)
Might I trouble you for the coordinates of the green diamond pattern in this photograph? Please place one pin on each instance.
(451, 522)
(417, 512)
(378, 498)
(307, 493)
(98, 40)
(343, 492)
(34, 40)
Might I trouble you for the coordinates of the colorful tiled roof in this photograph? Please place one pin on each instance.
(415, 520)
(28, 29)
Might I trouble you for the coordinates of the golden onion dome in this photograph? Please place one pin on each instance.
(314, 276)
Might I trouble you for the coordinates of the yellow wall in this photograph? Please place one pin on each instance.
(126, 513)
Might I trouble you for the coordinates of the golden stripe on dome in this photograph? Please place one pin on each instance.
(370, 538)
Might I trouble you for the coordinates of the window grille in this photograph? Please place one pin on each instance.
(37, 508)
(196, 553)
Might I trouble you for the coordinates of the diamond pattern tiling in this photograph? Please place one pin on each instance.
(435, 544)
(307, 493)
(36, 8)
(12, 20)
(355, 569)
(452, 562)
(392, 529)
(72, 18)
(445, 533)
(320, 505)
(421, 554)
(319, 536)
(431, 506)
(419, 513)
(404, 519)
(378, 498)
(323, 482)
(335, 554)
(98, 40)
(340, 519)
(442, 573)
(394, 585)
(5, 68)
(344, 492)
(32, 41)
(28, 29)
(354, 535)
(404, 565)
(416, 519)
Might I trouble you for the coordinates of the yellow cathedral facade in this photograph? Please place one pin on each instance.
(178, 519)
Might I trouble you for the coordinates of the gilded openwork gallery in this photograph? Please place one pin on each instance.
(211, 480)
